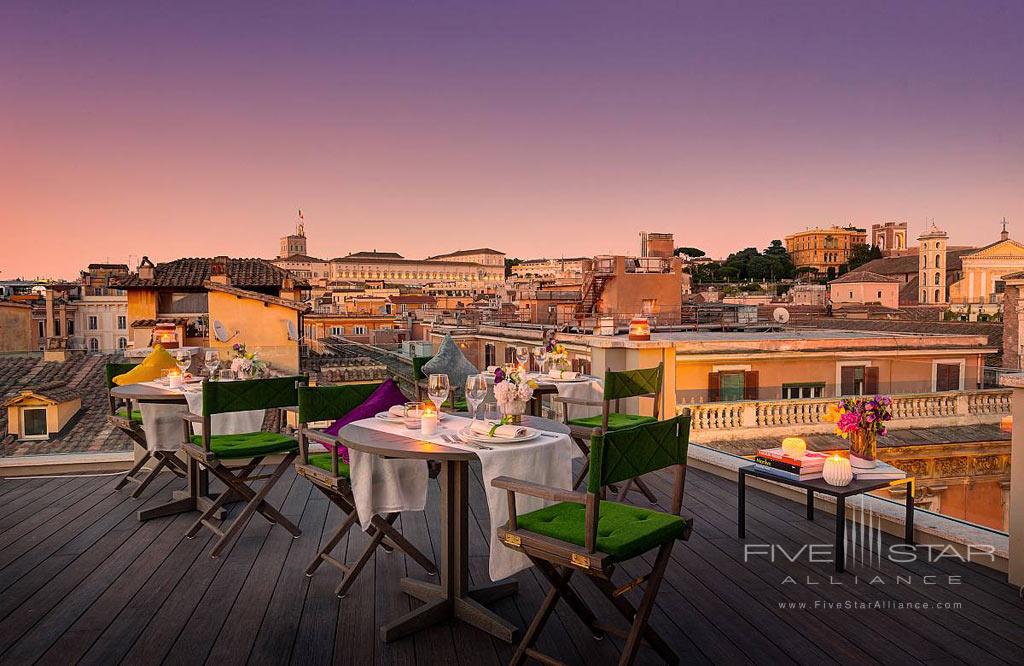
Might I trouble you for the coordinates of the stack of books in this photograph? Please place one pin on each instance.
(882, 471)
(797, 469)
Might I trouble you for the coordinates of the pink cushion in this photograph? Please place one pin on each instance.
(386, 395)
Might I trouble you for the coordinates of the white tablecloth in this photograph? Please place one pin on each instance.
(162, 422)
(546, 460)
(590, 390)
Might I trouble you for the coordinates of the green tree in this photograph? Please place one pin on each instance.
(509, 263)
(689, 252)
(861, 254)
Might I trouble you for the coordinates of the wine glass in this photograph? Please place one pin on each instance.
(438, 388)
(211, 360)
(183, 359)
(523, 356)
(476, 392)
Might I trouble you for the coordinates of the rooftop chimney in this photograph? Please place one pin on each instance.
(219, 270)
(146, 269)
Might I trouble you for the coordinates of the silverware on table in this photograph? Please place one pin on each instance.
(452, 439)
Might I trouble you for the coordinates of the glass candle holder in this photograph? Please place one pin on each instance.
(413, 415)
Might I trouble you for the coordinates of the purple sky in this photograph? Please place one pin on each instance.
(188, 129)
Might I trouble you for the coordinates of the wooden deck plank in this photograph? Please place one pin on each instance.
(86, 582)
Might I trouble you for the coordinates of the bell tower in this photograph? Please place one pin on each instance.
(931, 265)
(294, 243)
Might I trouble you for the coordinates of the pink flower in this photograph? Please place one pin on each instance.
(849, 422)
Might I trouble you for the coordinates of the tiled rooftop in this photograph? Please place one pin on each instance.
(193, 272)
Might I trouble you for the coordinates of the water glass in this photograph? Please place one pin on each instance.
(227, 375)
(476, 392)
(413, 414)
(211, 360)
(438, 389)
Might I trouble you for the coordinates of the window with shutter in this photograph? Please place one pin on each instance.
(870, 380)
(858, 380)
(947, 377)
(714, 385)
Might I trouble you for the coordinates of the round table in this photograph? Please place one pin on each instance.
(196, 497)
(453, 598)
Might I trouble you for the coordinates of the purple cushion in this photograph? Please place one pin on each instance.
(386, 395)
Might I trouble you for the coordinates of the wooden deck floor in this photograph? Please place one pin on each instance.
(82, 581)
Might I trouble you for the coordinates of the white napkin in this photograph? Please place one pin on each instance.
(504, 431)
(545, 460)
(562, 374)
(387, 485)
(398, 411)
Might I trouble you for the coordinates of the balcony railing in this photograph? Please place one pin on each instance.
(749, 419)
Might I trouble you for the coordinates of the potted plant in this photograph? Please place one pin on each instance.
(861, 420)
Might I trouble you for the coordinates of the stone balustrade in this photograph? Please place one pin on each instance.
(750, 419)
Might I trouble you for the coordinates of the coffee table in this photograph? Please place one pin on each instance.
(840, 493)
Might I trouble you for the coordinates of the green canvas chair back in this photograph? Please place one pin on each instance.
(641, 383)
(621, 455)
(112, 370)
(327, 403)
(240, 396)
(417, 366)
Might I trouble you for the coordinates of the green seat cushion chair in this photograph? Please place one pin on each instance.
(249, 445)
(615, 421)
(136, 414)
(323, 461)
(623, 531)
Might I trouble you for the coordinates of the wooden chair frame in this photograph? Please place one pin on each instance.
(582, 435)
(559, 560)
(237, 480)
(338, 490)
(134, 431)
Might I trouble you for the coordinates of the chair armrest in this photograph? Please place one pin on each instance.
(321, 437)
(538, 490)
(194, 418)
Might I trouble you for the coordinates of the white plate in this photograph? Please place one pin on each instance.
(386, 416)
(557, 380)
(468, 435)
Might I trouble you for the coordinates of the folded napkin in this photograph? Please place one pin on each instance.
(398, 411)
(562, 374)
(504, 431)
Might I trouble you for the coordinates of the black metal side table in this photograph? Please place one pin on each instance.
(839, 492)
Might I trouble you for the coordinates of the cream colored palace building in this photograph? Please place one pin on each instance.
(981, 286)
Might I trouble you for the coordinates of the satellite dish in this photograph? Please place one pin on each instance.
(293, 333)
(780, 315)
(220, 332)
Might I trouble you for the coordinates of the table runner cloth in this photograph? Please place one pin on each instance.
(377, 482)
(162, 421)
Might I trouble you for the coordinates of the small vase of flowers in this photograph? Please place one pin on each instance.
(555, 356)
(513, 392)
(246, 364)
(861, 420)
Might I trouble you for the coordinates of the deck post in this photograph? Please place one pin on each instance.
(1016, 522)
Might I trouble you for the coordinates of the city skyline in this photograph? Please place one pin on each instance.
(199, 130)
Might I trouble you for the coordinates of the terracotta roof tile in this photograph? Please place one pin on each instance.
(191, 272)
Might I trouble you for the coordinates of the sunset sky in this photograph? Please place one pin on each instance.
(195, 129)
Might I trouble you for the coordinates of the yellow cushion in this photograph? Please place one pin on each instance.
(159, 359)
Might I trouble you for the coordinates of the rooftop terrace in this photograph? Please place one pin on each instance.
(81, 580)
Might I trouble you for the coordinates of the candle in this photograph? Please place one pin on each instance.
(794, 447)
(837, 471)
(640, 329)
(428, 420)
(174, 378)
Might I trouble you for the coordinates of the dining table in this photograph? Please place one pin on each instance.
(162, 408)
(452, 598)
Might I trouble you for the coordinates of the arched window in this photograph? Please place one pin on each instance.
(937, 298)
(94, 344)
(938, 278)
(924, 296)
(122, 343)
(924, 258)
(938, 261)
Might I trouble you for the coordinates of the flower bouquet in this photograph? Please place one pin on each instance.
(246, 364)
(555, 356)
(861, 420)
(513, 392)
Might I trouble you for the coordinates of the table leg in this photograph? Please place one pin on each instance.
(453, 598)
(908, 536)
(810, 504)
(741, 506)
(840, 534)
(195, 497)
